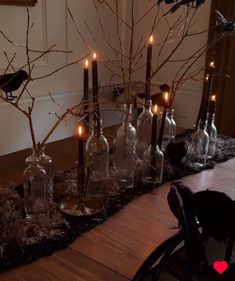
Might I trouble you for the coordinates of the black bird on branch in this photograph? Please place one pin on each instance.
(11, 82)
(178, 3)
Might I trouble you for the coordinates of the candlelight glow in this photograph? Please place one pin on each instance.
(155, 109)
(94, 56)
(151, 39)
(213, 98)
(80, 131)
(207, 77)
(212, 64)
(166, 96)
(86, 63)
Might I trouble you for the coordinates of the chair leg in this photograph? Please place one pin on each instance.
(229, 250)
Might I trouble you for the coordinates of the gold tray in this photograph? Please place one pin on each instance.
(71, 206)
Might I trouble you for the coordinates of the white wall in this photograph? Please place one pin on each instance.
(52, 24)
(187, 99)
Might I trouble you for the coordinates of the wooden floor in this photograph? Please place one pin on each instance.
(114, 250)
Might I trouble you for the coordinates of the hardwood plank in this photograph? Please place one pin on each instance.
(129, 236)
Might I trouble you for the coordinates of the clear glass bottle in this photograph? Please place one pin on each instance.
(152, 169)
(144, 126)
(167, 130)
(212, 132)
(97, 153)
(46, 162)
(36, 190)
(125, 150)
(173, 125)
(198, 148)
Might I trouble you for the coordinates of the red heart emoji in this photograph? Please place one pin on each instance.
(220, 266)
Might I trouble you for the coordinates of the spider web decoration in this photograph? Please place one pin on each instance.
(178, 4)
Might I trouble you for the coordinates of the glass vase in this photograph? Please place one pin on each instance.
(125, 150)
(97, 153)
(144, 126)
(36, 190)
(198, 148)
(152, 169)
(212, 132)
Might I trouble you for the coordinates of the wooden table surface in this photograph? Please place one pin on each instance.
(114, 250)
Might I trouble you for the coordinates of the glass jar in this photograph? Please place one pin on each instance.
(36, 190)
(152, 169)
(173, 125)
(125, 150)
(198, 148)
(212, 132)
(97, 153)
(144, 126)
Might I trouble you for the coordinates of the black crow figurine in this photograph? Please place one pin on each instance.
(11, 82)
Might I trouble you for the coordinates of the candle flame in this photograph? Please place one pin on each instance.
(212, 64)
(155, 109)
(151, 39)
(94, 55)
(80, 131)
(86, 63)
(213, 98)
(166, 96)
(207, 77)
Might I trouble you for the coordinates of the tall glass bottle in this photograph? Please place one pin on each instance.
(167, 130)
(152, 169)
(173, 125)
(144, 125)
(97, 153)
(212, 132)
(35, 189)
(199, 147)
(125, 150)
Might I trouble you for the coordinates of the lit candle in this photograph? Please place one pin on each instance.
(212, 105)
(166, 99)
(154, 127)
(148, 71)
(80, 145)
(166, 103)
(208, 88)
(153, 144)
(95, 87)
(86, 91)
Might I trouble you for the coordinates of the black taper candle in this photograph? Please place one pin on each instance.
(86, 91)
(154, 128)
(95, 88)
(148, 72)
(153, 144)
(208, 87)
(162, 129)
(80, 146)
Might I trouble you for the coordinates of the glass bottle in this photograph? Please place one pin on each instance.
(173, 125)
(212, 132)
(144, 125)
(125, 150)
(152, 170)
(35, 189)
(97, 153)
(167, 130)
(199, 147)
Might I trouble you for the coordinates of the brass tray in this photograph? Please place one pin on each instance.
(72, 207)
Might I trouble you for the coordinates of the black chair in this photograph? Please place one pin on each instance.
(181, 257)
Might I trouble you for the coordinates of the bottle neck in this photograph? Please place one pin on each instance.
(98, 130)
